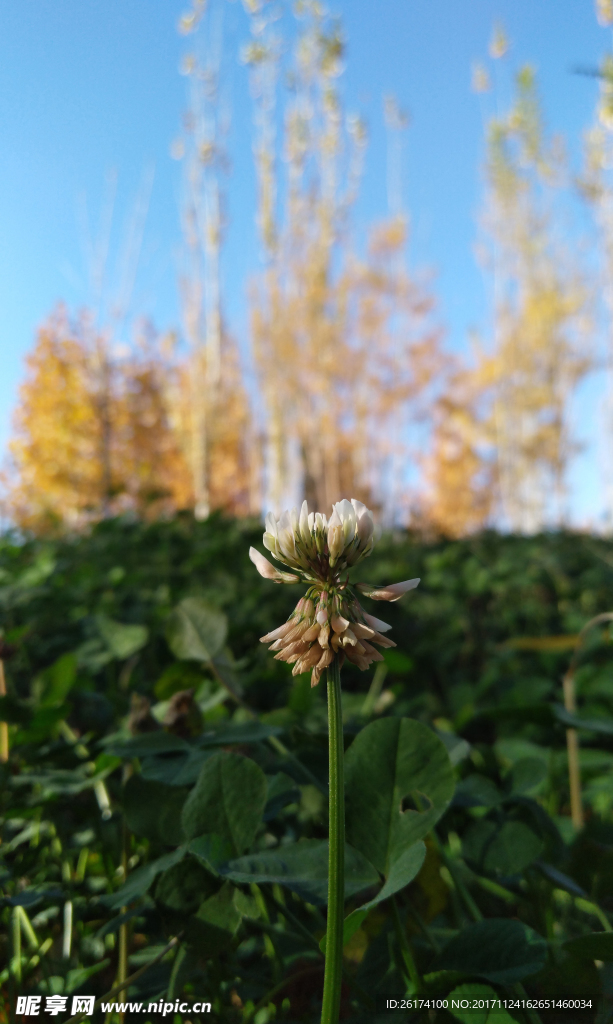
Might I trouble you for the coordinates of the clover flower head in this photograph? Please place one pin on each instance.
(329, 620)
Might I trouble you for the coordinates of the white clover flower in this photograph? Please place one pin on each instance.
(329, 620)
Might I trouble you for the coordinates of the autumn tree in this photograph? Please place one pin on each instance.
(341, 340)
(596, 185)
(540, 317)
(513, 424)
(92, 433)
(213, 407)
(460, 469)
(150, 430)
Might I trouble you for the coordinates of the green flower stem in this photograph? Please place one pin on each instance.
(336, 862)
(304, 931)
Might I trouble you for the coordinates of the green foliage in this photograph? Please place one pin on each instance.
(195, 630)
(456, 774)
(228, 801)
(478, 995)
(303, 868)
(498, 950)
(389, 763)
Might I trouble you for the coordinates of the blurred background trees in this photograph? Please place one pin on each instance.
(94, 434)
(343, 341)
(344, 385)
(505, 436)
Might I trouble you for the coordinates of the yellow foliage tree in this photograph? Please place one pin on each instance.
(57, 447)
(460, 473)
(92, 435)
(505, 424)
(213, 411)
(342, 343)
(231, 451)
(541, 326)
(596, 184)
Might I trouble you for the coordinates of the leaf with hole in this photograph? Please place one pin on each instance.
(399, 782)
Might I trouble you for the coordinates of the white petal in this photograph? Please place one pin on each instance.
(378, 624)
(305, 529)
(335, 519)
(268, 571)
(263, 566)
(347, 514)
(271, 525)
(366, 527)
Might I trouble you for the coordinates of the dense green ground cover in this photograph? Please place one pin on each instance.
(131, 816)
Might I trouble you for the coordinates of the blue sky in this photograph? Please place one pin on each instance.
(91, 87)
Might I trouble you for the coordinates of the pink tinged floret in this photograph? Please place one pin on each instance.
(307, 661)
(277, 634)
(372, 652)
(362, 632)
(333, 625)
(349, 637)
(297, 632)
(383, 641)
(392, 592)
(312, 632)
(357, 658)
(326, 659)
(324, 636)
